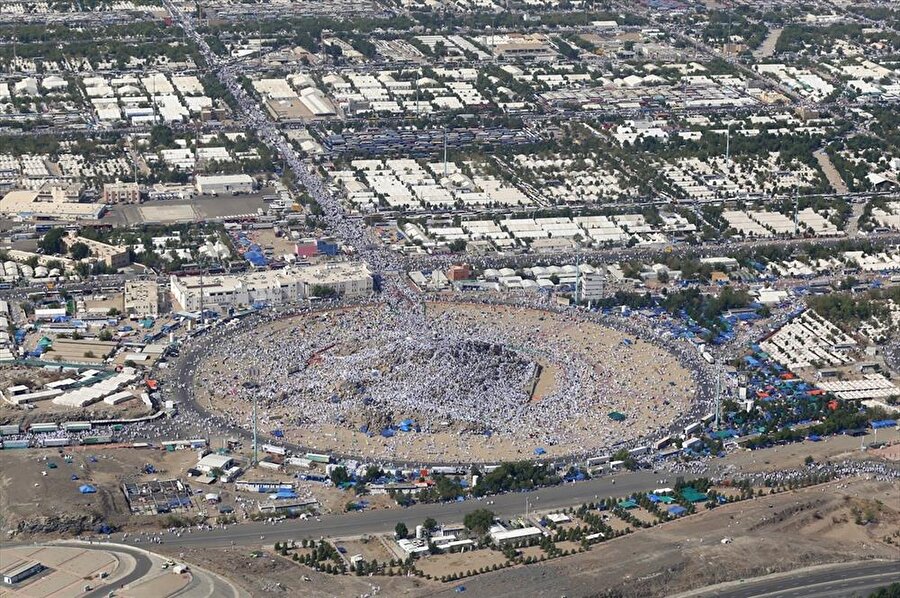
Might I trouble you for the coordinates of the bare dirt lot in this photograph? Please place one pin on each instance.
(371, 549)
(32, 503)
(459, 563)
(275, 576)
(833, 448)
(68, 570)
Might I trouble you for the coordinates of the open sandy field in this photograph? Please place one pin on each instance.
(586, 372)
(833, 448)
(33, 503)
(68, 570)
(460, 562)
(371, 548)
(272, 575)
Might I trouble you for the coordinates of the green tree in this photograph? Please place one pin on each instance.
(479, 520)
(79, 251)
(161, 136)
(457, 245)
(340, 476)
(323, 291)
(400, 530)
(52, 243)
(891, 591)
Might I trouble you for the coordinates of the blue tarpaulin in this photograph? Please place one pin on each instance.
(677, 510)
(540, 451)
(87, 489)
(884, 423)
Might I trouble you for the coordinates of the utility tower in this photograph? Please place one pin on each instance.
(718, 392)
(251, 383)
(445, 153)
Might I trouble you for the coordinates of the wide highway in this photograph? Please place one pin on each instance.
(380, 521)
(839, 581)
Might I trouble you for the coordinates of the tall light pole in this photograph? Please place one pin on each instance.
(718, 392)
(251, 384)
(445, 153)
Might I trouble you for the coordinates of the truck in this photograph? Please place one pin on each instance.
(318, 457)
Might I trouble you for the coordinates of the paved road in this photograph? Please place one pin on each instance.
(142, 567)
(370, 522)
(203, 584)
(844, 581)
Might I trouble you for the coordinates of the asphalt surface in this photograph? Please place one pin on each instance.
(142, 566)
(380, 521)
(202, 584)
(844, 581)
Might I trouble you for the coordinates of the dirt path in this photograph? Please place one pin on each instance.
(767, 48)
(834, 177)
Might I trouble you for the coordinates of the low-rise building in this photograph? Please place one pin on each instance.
(591, 286)
(120, 192)
(225, 184)
(459, 272)
(214, 461)
(26, 204)
(20, 571)
(501, 535)
(141, 298)
(350, 279)
(114, 256)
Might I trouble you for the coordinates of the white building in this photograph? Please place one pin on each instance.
(141, 298)
(501, 535)
(224, 184)
(350, 279)
(591, 286)
(214, 461)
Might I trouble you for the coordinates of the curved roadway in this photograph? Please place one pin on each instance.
(142, 566)
(202, 584)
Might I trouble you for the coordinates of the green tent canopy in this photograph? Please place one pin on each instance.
(616, 416)
(691, 495)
